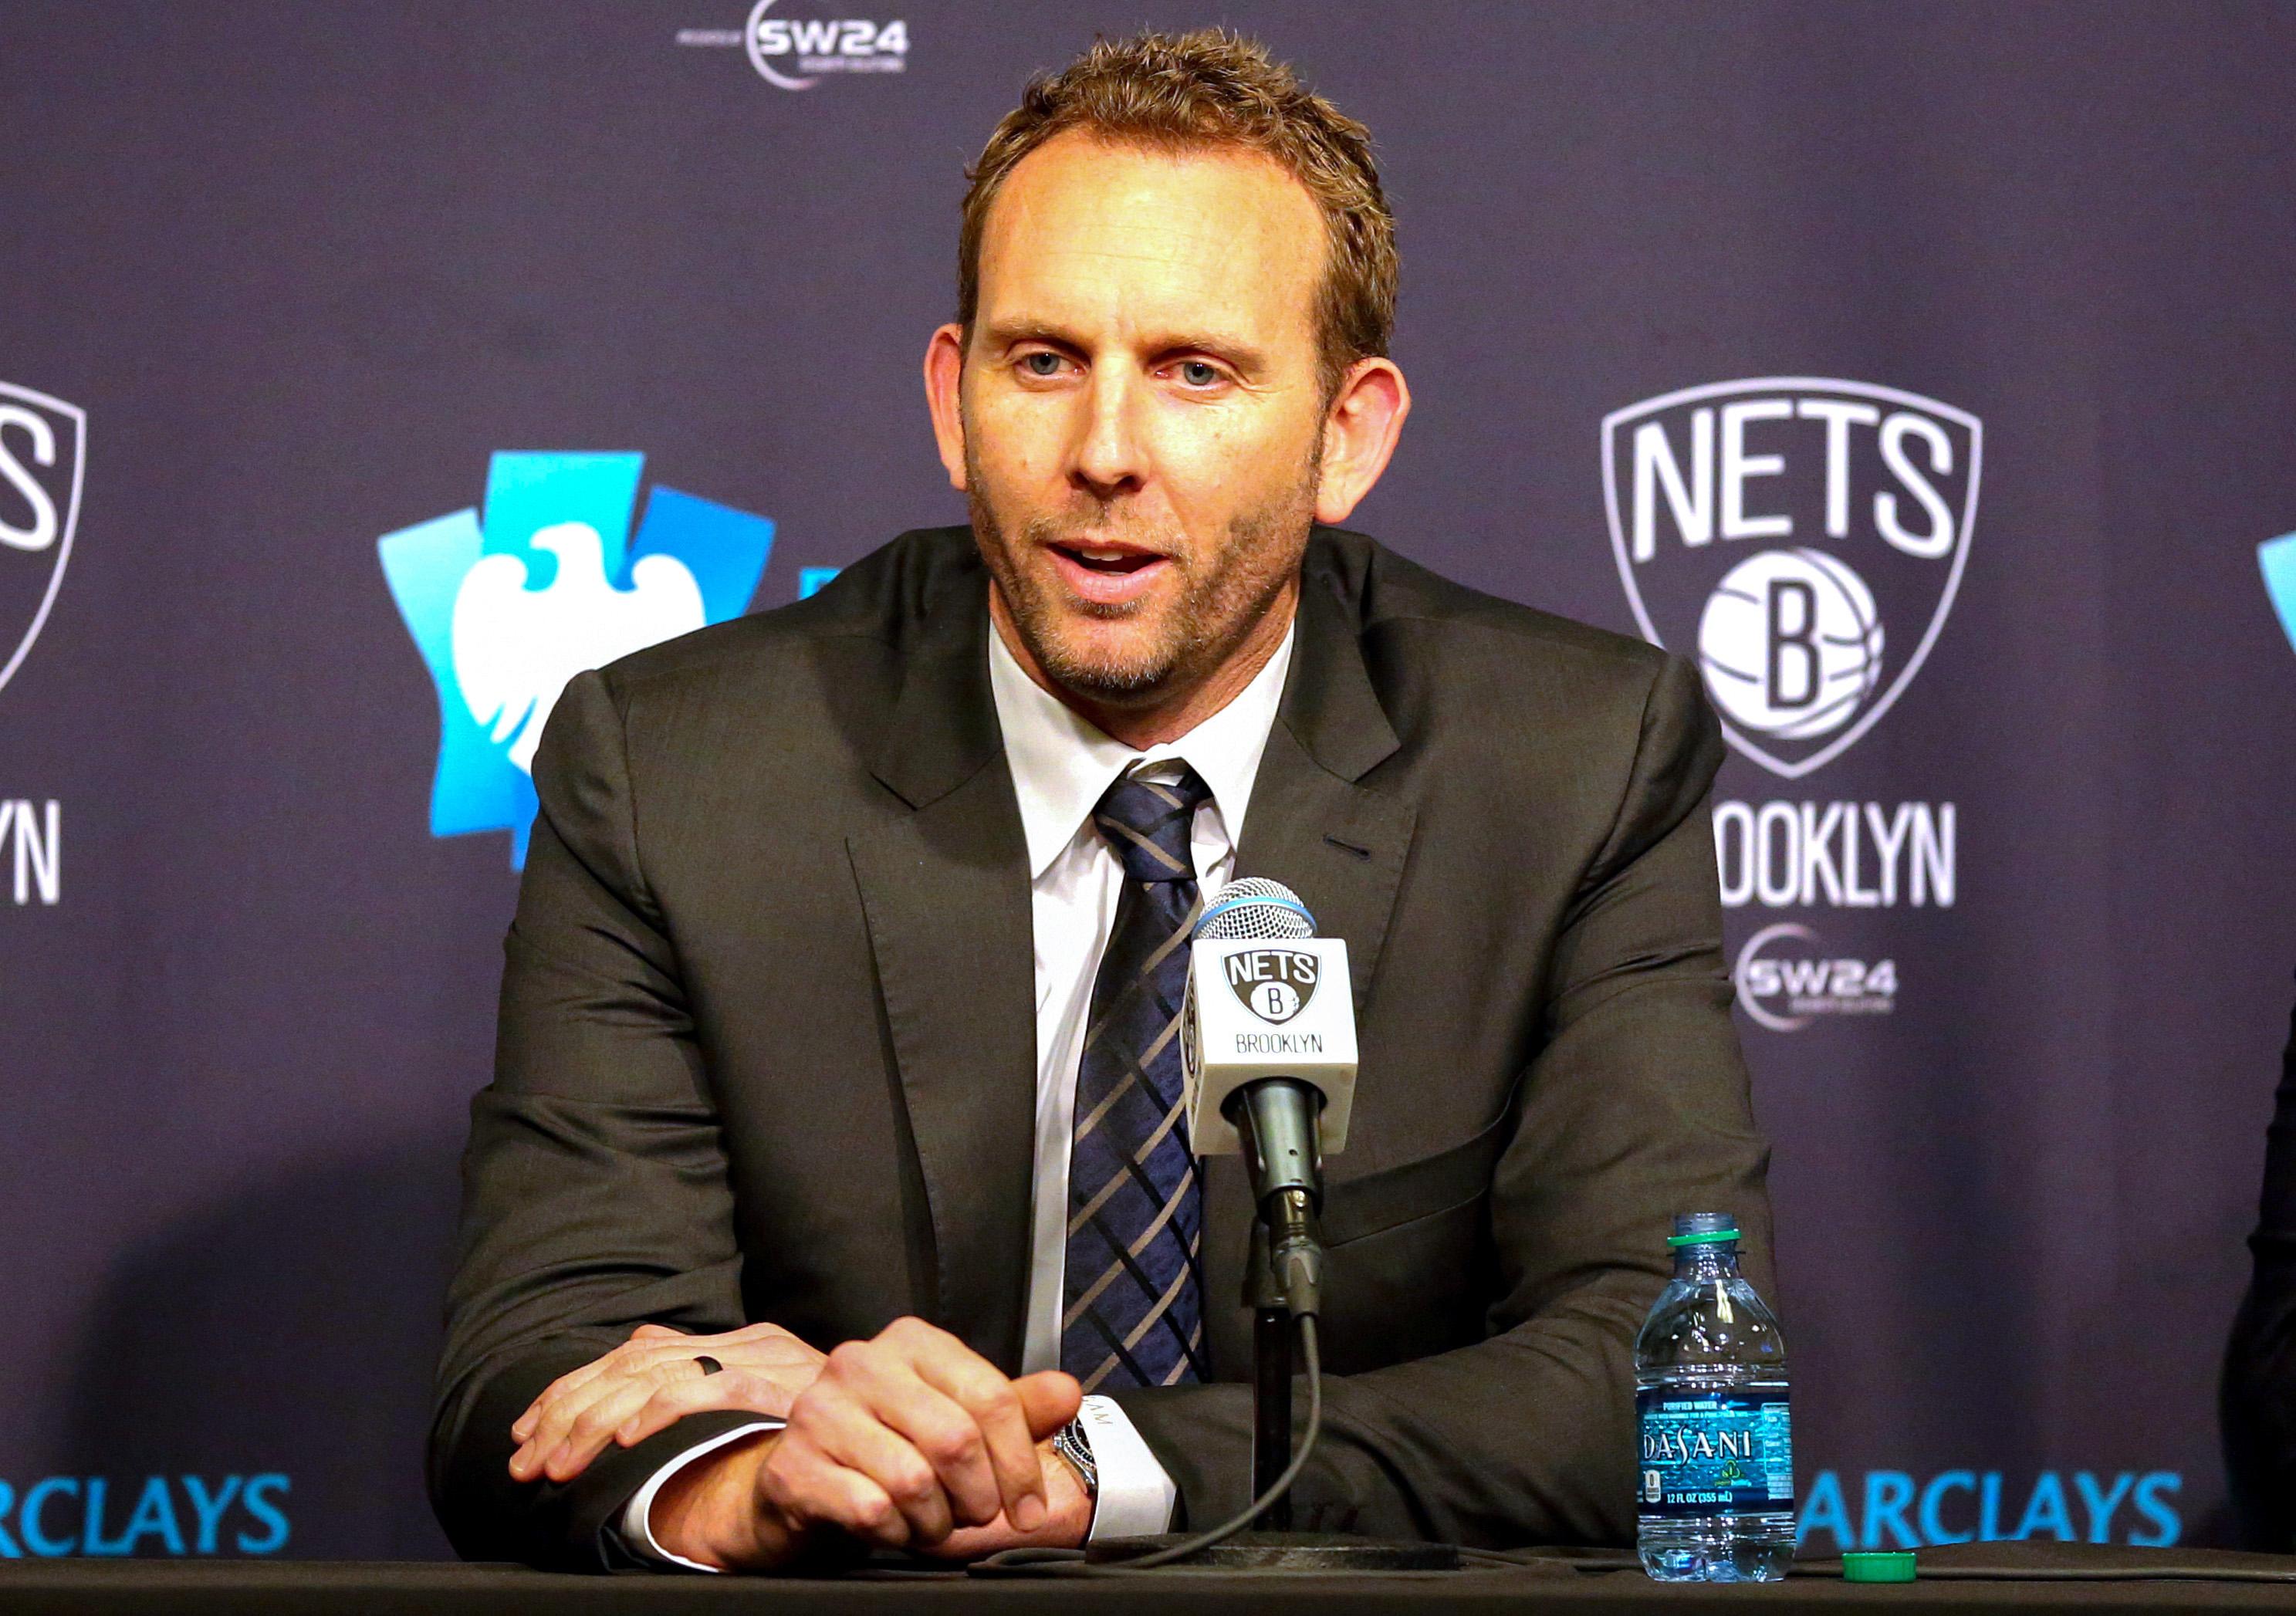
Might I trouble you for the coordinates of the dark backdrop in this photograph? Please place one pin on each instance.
(306, 269)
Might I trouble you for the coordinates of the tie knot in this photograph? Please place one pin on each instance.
(1148, 822)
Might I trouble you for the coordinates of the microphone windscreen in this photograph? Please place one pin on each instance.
(1254, 909)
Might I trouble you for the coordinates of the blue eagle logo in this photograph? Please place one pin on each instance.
(508, 604)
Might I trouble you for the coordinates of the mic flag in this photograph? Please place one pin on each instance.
(1265, 1000)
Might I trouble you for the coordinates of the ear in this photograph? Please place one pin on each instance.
(1360, 429)
(944, 371)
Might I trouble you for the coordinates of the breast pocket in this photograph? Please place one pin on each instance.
(1410, 1270)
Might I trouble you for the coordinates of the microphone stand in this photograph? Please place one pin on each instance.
(1283, 1280)
(1271, 1377)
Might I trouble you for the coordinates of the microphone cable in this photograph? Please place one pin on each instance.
(1275, 1489)
(1069, 1562)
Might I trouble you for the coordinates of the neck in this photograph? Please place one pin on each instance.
(1164, 715)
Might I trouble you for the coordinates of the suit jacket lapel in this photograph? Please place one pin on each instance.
(945, 889)
(1339, 844)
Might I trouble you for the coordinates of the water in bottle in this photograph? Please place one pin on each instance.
(1715, 1493)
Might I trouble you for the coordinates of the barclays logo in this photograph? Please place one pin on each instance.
(1896, 1510)
(508, 604)
(184, 1514)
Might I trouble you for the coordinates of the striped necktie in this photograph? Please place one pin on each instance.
(1132, 1310)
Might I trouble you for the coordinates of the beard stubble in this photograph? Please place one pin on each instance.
(1219, 602)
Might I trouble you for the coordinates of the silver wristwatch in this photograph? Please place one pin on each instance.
(1072, 1443)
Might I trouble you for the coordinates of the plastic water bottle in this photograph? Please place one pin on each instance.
(1716, 1497)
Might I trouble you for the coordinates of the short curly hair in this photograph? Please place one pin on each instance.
(1211, 88)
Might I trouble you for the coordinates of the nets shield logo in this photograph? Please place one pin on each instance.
(1274, 984)
(43, 454)
(1804, 536)
(507, 607)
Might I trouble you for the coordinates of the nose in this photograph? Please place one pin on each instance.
(1111, 458)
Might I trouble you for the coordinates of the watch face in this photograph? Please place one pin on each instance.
(1074, 1445)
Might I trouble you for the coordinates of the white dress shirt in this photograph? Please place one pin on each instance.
(1061, 767)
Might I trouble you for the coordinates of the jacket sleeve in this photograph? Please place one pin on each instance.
(2260, 1380)
(594, 1195)
(1635, 1107)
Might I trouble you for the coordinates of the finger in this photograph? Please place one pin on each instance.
(550, 1447)
(894, 1386)
(555, 1415)
(736, 1388)
(587, 1435)
(649, 1345)
(630, 1354)
(1049, 1399)
(807, 1487)
(522, 1427)
(993, 1404)
(849, 1430)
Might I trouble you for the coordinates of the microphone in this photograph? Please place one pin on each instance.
(1267, 1038)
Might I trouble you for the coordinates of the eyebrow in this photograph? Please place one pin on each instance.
(1007, 333)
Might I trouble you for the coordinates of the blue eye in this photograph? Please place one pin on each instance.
(1195, 372)
(1041, 363)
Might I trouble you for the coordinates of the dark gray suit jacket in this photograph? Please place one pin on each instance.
(767, 1040)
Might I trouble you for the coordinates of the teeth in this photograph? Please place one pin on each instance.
(1104, 555)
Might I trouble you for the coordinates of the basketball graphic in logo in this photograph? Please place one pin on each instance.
(1791, 644)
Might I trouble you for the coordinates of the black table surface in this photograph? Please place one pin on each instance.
(2009, 1578)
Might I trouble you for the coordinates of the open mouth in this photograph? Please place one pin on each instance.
(1108, 560)
(1108, 574)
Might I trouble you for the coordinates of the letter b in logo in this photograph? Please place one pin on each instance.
(1274, 984)
(1791, 644)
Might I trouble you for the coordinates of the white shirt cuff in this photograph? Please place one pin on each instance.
(638, 1530)
(1135, 1495)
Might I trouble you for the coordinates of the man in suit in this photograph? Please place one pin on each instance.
(835, 1149)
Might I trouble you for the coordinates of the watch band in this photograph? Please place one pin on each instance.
(1073, 1443)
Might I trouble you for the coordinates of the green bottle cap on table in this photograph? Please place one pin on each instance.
(1877, 1567)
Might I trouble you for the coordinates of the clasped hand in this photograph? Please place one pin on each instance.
(910, 1440)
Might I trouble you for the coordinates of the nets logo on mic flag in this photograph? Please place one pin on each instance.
(508, 606)
(1274, 984)
(1251, 1011)
(1803, 537)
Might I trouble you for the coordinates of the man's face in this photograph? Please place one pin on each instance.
(1143, 410)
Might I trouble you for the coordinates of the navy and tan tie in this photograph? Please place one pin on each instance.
(1133, 1305)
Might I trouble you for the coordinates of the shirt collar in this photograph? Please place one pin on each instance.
(1062, 765)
